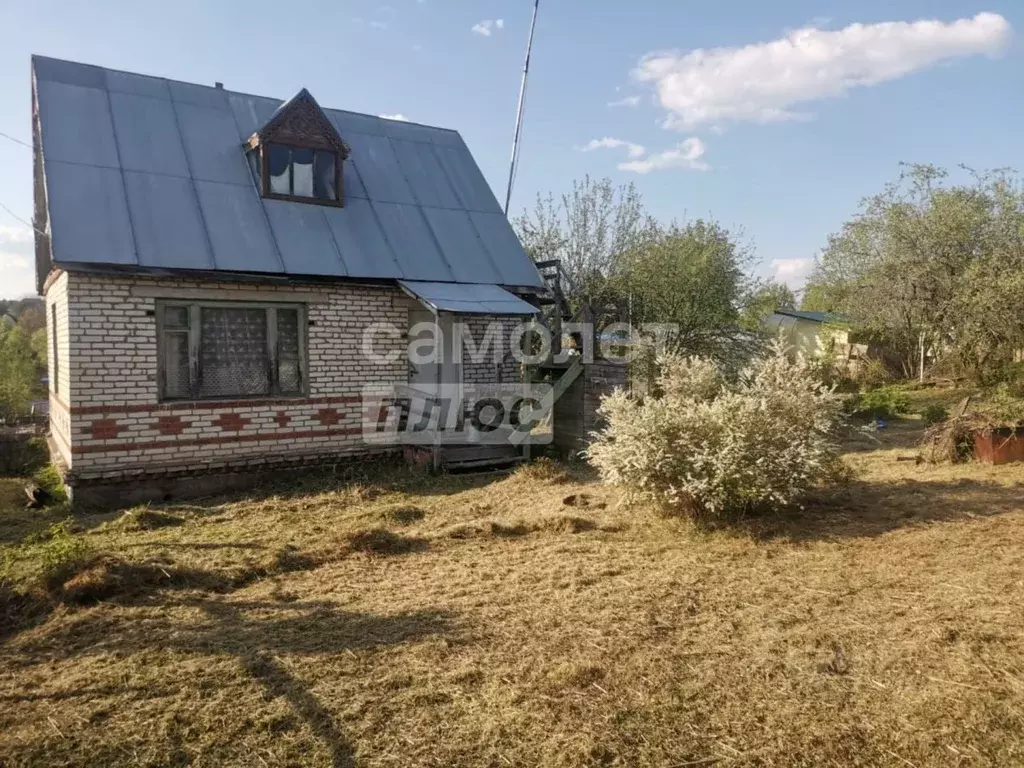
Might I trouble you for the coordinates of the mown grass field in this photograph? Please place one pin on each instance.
(397, 620)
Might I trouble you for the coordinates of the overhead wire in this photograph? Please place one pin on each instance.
(28, 224)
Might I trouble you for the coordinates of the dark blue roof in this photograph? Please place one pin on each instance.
(147, 172)
(816, 317)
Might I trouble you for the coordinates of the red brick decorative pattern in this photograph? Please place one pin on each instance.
(169, 425)
(178, 444)
(104, 429)
(196, 405)
(230, 422)
(282, 419)
(328, 416)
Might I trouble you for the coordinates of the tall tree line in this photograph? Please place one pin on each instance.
(695, 275)
(933, 271)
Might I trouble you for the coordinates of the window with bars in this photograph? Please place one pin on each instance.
(226, 349)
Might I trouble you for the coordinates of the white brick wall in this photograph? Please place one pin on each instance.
(108, 381)
(58, 340)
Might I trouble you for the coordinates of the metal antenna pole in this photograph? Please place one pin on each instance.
(519, 111)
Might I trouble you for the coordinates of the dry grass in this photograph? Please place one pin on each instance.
(534, 621)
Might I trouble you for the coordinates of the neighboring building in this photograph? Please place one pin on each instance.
(212, 259)
(811, 334)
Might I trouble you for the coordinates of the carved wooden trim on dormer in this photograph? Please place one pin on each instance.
(301, 122)
(304, 147)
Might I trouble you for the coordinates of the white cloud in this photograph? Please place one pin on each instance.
(686, 154)
(15, 234)
(486, 27)
(397, 116)
(626, 101)
(16, 261)
(792, 272)
(635, 150)
(379, 24)
(762, 82)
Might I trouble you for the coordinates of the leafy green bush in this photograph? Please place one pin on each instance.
(934, 414)
(49, 479)
(1004, 406)
(872, 374)
(883, 403)
(716, 448)
(17, 372)
(36, 455)
(61, 553)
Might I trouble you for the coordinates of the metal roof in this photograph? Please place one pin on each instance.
(143, 171)
(814, 317)
(463, 299)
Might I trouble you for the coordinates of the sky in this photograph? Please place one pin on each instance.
(775, 118)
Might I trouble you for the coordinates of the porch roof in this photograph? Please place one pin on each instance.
(466, 299)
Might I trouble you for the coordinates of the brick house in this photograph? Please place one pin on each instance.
(212, 262)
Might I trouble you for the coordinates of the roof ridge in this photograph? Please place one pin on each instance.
(240, 93)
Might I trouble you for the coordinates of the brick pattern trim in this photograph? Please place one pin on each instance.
(230, 422)
(104, 429)
(170, 425)
(328, 416)
(157, 444)
(197, 405)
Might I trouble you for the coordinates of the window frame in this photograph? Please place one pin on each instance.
(193, 332)
(262, 151)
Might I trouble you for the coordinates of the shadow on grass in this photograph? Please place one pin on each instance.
(873, 508)
(254, 633)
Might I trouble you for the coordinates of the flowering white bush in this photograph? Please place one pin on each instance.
(718, 448)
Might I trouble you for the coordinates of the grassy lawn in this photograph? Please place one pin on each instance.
(530, 620)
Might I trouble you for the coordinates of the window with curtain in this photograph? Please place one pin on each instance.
(300, 172)
(222, 350)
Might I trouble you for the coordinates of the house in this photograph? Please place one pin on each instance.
(811, 334)
(215, 264)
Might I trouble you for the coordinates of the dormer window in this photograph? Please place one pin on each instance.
(298, 155)
(302, 172)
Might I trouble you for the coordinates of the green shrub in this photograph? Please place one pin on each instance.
(884, 403)
(934, 414)
(872, 374)
(1004, 406)
(716, 448)
(62, 553)
(50, 480)
(36, 455)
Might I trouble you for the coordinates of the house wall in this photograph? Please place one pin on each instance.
(110, 424)
(498, 365)
(117, 426)
(58, 346)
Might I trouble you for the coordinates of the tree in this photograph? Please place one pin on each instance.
(32, 318)
(765, 299)
(927, 269)
(624, 264)
(17, 372)
(695, 278)
(588, 230)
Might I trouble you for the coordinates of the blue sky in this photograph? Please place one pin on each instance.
(775, 118)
